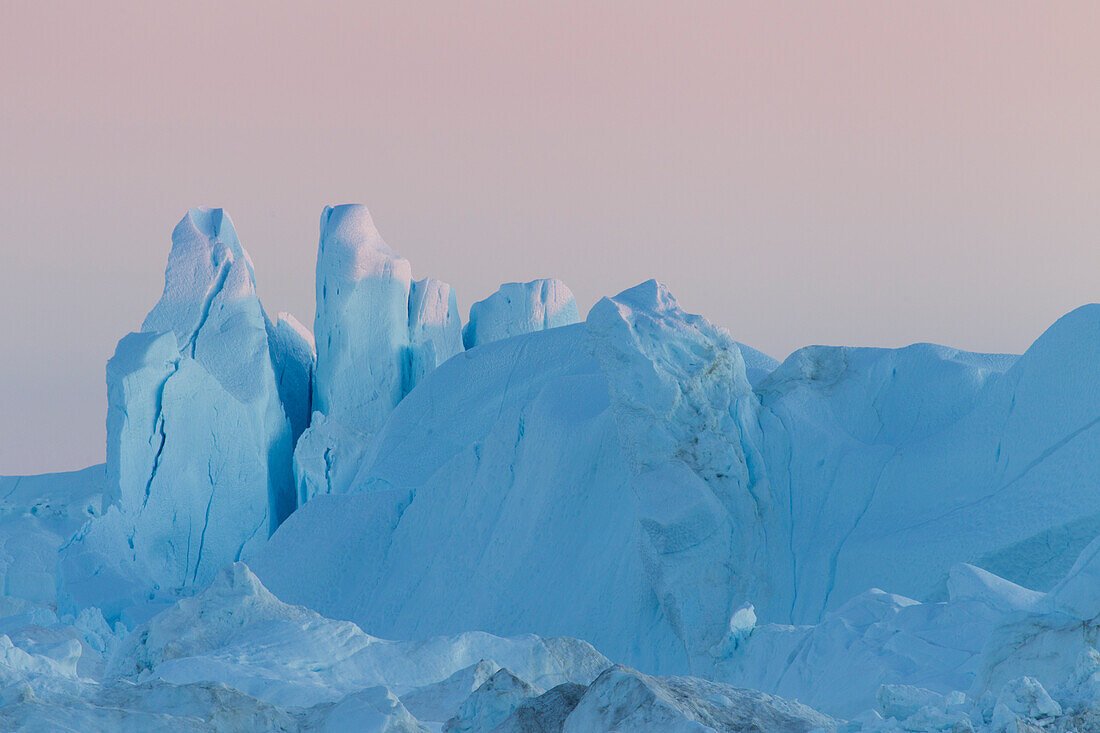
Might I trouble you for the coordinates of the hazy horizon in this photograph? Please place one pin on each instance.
(861, 174)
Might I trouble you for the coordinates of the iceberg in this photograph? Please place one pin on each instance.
(629, 463)
(897, 539)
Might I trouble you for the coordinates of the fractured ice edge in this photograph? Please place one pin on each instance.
(630, 522)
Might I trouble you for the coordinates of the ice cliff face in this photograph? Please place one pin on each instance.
(686, 419)
(198, 439)
(294, 356)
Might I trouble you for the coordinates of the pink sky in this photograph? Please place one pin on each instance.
(857, 173)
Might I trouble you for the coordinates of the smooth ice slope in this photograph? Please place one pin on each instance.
(378, 333)
(518, 308)
(1032, 439)
(837, 420)
(534, 455)
(198, 441)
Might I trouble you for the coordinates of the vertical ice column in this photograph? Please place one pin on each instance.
(435, 328)
(362, 322)
(518, 308)
(199, 444)
(378, 334)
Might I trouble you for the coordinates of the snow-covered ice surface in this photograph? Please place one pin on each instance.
(233, 652)
(855, 539)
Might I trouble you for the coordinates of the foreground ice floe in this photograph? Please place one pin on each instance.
(992, 657)
(876, 638)
(234, 657)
